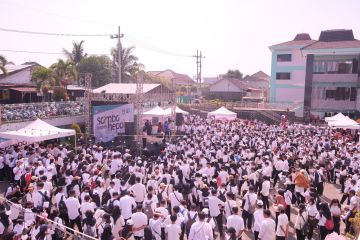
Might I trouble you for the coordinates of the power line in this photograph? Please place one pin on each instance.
(48, 53)
(153, 48)
(54, 34)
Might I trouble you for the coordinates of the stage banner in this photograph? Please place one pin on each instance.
(109, 120)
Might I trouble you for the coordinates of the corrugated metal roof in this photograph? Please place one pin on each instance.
(124, 88)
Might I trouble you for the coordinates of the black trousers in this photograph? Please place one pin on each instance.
(247, 217)
(256, 235)
(76, 221)
(265, 200)
(219, 223)
(320, 188)
(280, 238)
(299, 235)
(288, 211)
(323, 232)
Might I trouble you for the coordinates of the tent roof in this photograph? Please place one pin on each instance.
(37, 131)
(335, 117)
(156, 111)
(177, 110)
(344, 122)
(124, 88)
(222, 111)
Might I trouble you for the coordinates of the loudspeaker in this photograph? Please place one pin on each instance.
(130, 128)
(179, 119)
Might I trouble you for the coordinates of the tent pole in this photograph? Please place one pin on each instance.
(75, 142)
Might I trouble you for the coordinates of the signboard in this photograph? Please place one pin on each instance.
(109, 120)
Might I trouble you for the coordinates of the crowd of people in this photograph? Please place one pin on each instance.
(221, 180)
(31, 111)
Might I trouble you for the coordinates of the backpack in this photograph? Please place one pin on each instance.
(110, 207)
(148, 235)
(89, 231)
(96, 199)
(205, 201)
(189, 223)
(62, 206)
(148, 210)
(329, 224)
(222, 195)
(159, 195)
(105, 197)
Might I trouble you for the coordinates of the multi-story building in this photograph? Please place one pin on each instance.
(323, 74)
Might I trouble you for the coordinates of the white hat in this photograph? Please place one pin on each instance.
(130, 222)
(205, 210)
(259, 203)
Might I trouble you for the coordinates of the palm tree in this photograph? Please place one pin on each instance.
(129, 64)
(64, 72)
(44, 79)
(3, 62)
(76, 55)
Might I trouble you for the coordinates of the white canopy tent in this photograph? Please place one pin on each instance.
(155, 112)
(345, 123)
(177, 110)
(222, 114)
(37, 131)
(336, 117)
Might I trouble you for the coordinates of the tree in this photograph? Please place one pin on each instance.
(99, 67)
(129, 64)
(234, 74)
(3, 62)
(43, 78)
(64, 72)
(76, 55)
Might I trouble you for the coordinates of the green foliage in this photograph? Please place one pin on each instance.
(3, 62)
(235, 74)
(43, 78)
(76, 127)
(99, 66)
(77, 54)
(64, 72)
(59, 94)
(130, 66)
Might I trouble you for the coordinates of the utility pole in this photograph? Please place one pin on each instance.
(119, 49)
(198, 57)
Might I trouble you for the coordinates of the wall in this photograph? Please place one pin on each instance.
(288, 90)
(224, 86)
(54, 121)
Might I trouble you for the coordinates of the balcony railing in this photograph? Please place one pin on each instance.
(44, 110)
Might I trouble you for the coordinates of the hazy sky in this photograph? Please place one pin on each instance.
(232, 34)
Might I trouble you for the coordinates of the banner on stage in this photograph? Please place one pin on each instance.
(109, 120)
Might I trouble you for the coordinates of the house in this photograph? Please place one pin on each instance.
(259, 81)
(226, 89)
(324, 74)
(179, 79)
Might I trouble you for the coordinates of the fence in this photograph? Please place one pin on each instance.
(31, 111)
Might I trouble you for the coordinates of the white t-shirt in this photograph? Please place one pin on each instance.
(173, 232)
(139, 219)
(139, 191)
(267, 229)
(236, 222)
(265, 190)
(258, 218)
(283, 221)
(126, 205)
(201, 231)
(73, 206)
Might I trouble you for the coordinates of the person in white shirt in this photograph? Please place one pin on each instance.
(267, 227)
(173, 230)
(73, 206)
(282, 227)
(155, 226)
(248, 205)
(127, 204)
(139, 191)
(214, 207)
(175, 198)
(258, 218)
(229, 204)
(86, 206)
(265, 191)
(140, 221)
(236, 222)
(301, 220)
(201, 230)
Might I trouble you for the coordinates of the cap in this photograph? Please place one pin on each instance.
(205, 210)
(130, 222)
(259, 203)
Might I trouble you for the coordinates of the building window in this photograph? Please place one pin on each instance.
(353, 93)
(284, 57)
(341, 94)
(333, 66)
(283, 76)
